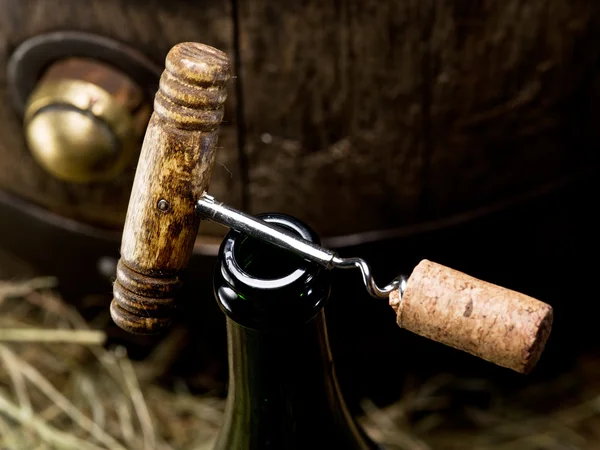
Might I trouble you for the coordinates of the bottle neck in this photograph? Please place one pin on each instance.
(283, 391)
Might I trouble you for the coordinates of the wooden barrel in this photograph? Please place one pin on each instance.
(353, 116)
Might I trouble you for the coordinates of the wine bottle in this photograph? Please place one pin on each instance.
(283, 391)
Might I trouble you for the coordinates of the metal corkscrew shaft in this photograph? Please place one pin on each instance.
(210, 209)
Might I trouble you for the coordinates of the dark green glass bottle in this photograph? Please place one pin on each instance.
(283, 392)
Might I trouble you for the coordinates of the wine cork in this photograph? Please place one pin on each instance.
(499, 325)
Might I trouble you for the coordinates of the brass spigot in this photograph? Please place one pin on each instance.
(84, 120)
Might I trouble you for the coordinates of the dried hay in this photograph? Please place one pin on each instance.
(60, 388)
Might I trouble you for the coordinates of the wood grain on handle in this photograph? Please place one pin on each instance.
(499, 325)
(173, 171)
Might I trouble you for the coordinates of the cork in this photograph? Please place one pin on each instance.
(496, 324)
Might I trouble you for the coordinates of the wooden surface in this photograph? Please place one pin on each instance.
(364, 115)
(497, 324)
(151, 27)
(358, 115)
(175, 168)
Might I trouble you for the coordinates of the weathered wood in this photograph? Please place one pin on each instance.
(494, 323)
(152, 27)
(174, 170)
(505, 80)
(359, 115)
(363, 115)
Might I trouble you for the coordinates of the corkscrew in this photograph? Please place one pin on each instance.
(169, 198)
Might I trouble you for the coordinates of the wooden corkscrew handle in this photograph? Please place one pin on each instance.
(494, 323)
(173, 171)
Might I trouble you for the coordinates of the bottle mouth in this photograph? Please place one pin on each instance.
(261, 265)
(260, 286)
